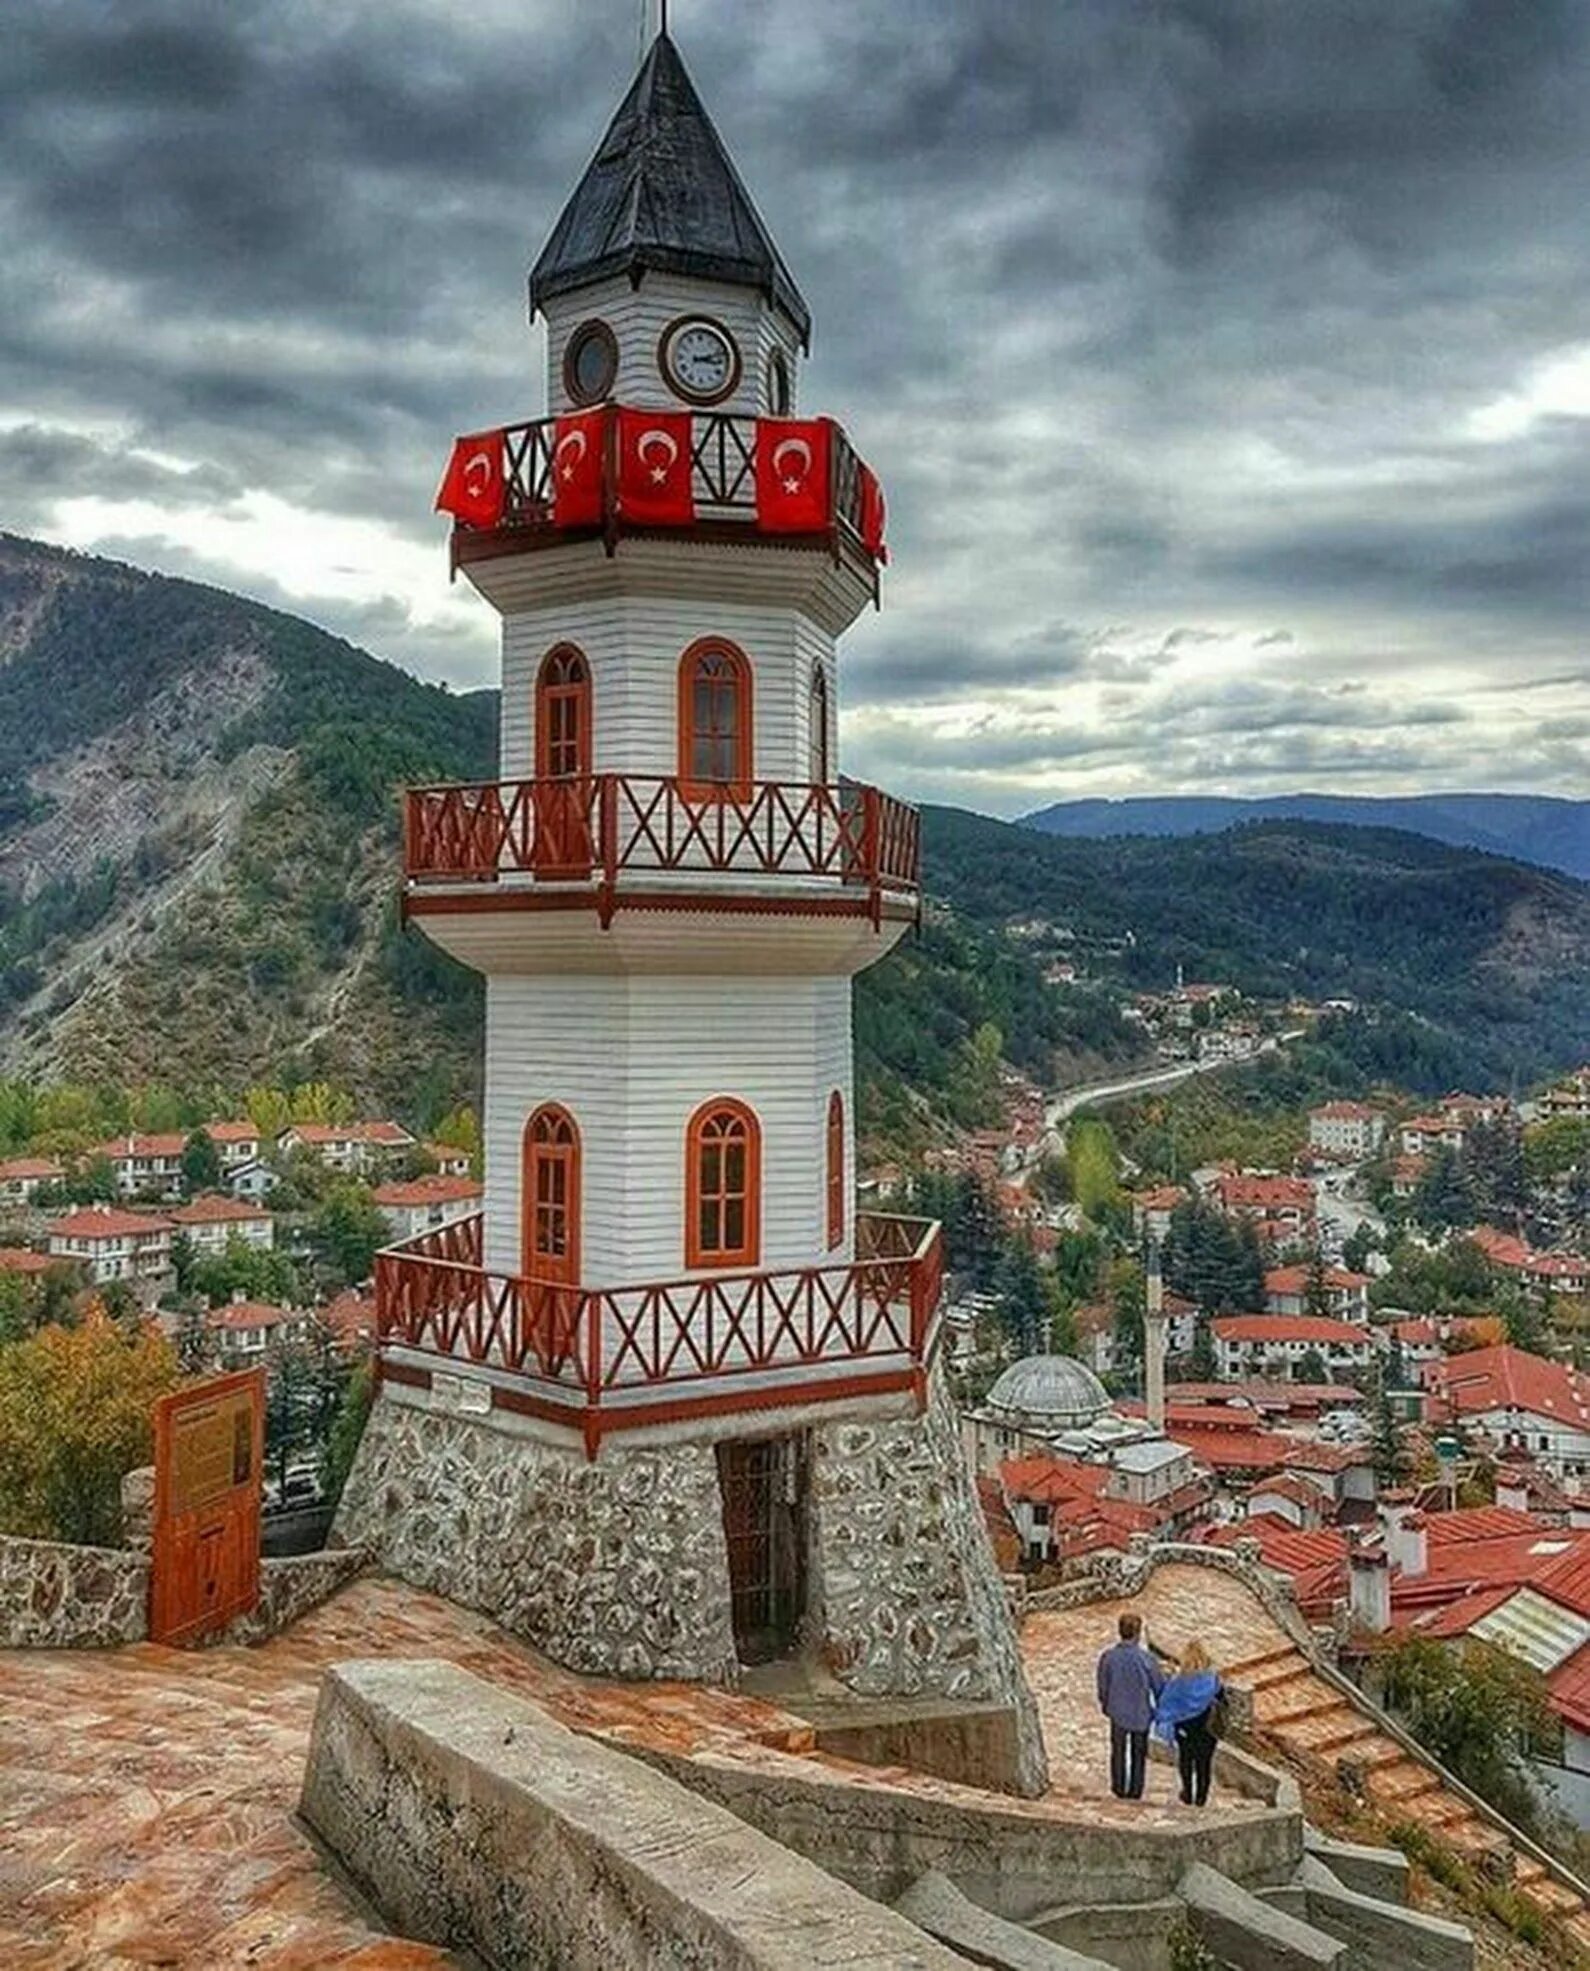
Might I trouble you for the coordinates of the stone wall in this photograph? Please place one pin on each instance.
(288, 1588)
(907, 1597)
(54, 1596)
(617, 1568)
(474, 1820)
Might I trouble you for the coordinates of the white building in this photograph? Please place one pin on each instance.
(1350, 1130)
(22, 1178)
(354, 1149)
(1278, 1344)
(145, 1166)
(245, 1331)
(1519, 1400)
(421, 1204)
(1287, 1288)
(238, 1143)
(113, 1244)
(210, 1223)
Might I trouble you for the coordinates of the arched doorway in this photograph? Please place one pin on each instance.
(550, 1198)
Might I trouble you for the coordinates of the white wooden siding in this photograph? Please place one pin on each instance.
(638, 316)
(632, 1059)
(633, 645)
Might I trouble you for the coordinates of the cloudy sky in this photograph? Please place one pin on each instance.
(1227, 362)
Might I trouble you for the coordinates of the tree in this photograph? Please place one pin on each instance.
(974, 1083)
(1477, 1708)
(346, 1234)
(1391, 1461)
(1202, 1359)
(1442, 1199)
(18, 1299)
(1093, 1166)
(75, 1417)
(347, 1427)
(201, 1162)
(1359, 1244)
(1316, 1289)
(1311, 1367)
(269, 1110)
(1023, 1297)
(1128, 1302)
(459, 1129)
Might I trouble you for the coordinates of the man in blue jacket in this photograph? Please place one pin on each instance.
(1129, 1682)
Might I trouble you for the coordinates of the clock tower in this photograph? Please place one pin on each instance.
(673, 1405)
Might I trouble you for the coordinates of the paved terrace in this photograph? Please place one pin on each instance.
(147, 1794)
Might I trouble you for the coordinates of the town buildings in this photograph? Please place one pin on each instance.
(354, 1149)
(1271, 1344)
(416, 1205)
(210, 1223)
(1352, 1131)
(114, 1244)
(22, 1178)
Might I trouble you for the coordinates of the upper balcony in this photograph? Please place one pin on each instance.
(614, 839)
(614, 471)
(595, 1360)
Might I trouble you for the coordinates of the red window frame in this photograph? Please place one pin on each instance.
(723, 1185)
(551, 1149)
(835, 1170)
(563, 714)
(715, 712)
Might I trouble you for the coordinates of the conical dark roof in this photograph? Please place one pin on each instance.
(661, 194)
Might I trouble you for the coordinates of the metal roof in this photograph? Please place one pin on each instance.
(1536, 1629)
(662, 194)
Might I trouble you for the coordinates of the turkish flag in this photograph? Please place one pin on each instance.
(654, 468)
(792, 474)
(873, 513)
(472, 487)
(579, 444)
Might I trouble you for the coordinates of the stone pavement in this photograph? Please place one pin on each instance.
(147, 1794)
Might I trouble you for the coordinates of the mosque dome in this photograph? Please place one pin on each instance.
(1048, 1392)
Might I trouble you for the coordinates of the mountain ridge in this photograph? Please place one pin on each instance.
(1551, 831)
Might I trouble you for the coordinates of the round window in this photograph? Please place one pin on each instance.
(778, 384)
(590, 363)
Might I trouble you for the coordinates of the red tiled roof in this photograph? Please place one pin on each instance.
(1298, 1490)
(18, 1259)
(1457, 1567)
(1261, 1328)
(1164, 1197)
(249, 1314)
(1041, 1478)
(170, 1145)
(1294, 1279)
(212, 1209)
(1232, 1450)
(1239, 1191)
(16, 1168)
(391, 1135)
(1456, 1618)
(1345, 1111)
(1478, 1523)
(1418, 1332)
(434, 1189)
(1311, 1454)
(1568, 1687)
(104, 1222)
(1567, 1578)
(1508, 1378)
(231, 1132)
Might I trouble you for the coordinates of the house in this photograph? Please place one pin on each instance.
(353, 1148)
(1285, 1204)
(1286, 1291)
(1569, 1098)
(1151, 1211)
(1063, 1507)
(23, 1260)
(1279, 1343)
(350, 1320)
(1419, 1339)
(421, 1204)
(22, 1178)
(1350, 1130)
(237, 1143)
(245, 1330)
(145, 1166)
(1517, 1399)
(450, 1161)
(1407, 1173)
(1544, 1272)
(210, 1222)
(1293, 1499)
(113, 1244)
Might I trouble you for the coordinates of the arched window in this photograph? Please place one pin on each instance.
(817, 726)
(563, 714)
(715, 721)
(836, 1170)
(723, 1185)
(550, 1197)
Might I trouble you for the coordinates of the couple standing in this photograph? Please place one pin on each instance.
(1135, 1695)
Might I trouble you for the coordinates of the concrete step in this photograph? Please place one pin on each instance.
(1296, 1697)
(1278, 1669)
(1401, 1781)
(1249, 1671)
(1554, 1898)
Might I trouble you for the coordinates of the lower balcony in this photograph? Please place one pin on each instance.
(603, 1359)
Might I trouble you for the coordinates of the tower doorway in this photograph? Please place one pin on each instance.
(764, 1485)
(564, 790)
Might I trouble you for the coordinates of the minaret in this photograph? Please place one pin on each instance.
(1154, 1341)
(672, 1406)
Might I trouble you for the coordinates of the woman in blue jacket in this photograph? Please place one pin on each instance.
(1185, 1717)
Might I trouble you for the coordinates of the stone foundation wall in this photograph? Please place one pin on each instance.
(907, 1597)
(54, 1596)
(289, 1587)
(617, 1568)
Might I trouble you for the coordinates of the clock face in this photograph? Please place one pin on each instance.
(700, 360)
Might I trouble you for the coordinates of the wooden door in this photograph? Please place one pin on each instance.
(564, 791)
(763, 1484)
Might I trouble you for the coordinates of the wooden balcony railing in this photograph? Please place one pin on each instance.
(602, 1359)
(609, 826)
(722, 477)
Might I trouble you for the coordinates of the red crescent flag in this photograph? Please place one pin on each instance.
(873, 513)
(472, 486)
(579, 447)
(654, 468)
(792, 474)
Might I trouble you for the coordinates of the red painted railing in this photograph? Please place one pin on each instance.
(608, 1358)
(609, 825)
(722, 471)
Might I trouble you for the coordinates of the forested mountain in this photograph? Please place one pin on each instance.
(1533, 828)
(198, 886)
